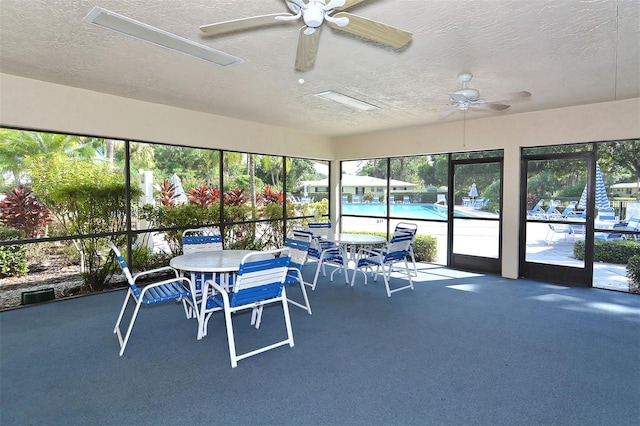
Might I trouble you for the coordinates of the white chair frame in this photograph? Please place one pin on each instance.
(174, 288)
(258, 271)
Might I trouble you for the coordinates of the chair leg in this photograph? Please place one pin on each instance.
(315, 278)
(413, 261)
(304, 295)
(116, 329)
(133, 320)
(230, 338)
(287, 318)
(307, 305)
(386, 279)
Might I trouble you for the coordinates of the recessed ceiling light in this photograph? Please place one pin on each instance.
(113, 21)
(347, 100)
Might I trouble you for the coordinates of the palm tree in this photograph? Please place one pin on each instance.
(17, 145)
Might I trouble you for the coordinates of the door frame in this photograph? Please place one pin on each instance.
(561, 274)
(464, 261)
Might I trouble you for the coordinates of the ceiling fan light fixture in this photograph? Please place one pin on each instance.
(347, 100)
(112, 21)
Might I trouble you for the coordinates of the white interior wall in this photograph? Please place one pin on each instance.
(38, 105)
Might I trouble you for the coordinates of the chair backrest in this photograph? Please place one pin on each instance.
(606, 214)
(406, 200)
(125, 268)
(405, 228)
(319, 229)
(552, 206)
(201, 239)
(398, 247)
(261, 276)
(633, 224)
(298, 246)
(569, 209)
(538, 206)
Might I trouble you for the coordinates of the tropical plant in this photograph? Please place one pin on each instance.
(21, 210)
(168, 196)
(87, 198)
(13, 260)
(203, 196)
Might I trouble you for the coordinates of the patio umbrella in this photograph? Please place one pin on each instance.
(179, 196)
(473, 192)
(602, 200)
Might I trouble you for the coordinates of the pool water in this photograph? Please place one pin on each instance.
(414, 211)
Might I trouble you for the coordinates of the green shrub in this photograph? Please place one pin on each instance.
(614, 251)
(13, 259)
(425, 248)
(633, 272)
(144, 258)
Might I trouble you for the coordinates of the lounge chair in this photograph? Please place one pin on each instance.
(537, 209)
(569, 210)
(632, 225)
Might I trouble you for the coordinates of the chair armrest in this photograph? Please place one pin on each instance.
(364, 252)
(152, 271)
(218, 288)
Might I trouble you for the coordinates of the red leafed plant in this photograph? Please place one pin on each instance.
(203, 196)
(21, 210)
(235, 197)
(269, 195)
(168, 194)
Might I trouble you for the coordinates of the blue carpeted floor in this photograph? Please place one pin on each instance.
(460, 349)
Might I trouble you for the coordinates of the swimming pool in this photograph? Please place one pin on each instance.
(414, 211)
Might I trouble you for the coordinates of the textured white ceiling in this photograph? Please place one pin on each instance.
(565, 52)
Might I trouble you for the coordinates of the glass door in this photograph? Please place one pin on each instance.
(557, 238)
(474, 214)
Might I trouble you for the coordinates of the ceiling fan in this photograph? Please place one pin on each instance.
(314, 13)
(466, 98)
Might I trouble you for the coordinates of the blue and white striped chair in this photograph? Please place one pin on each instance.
(196, 240)
(260, 281)
(174, 288)
(409, 229)
(299, 247)
(201, 239)
(324, 252)
(385, 261)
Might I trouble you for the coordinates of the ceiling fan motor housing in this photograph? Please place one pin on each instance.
(470, 94)
(313, 15)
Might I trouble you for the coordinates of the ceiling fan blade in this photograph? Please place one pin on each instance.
(307, 49)
(242, 24)
(511, 96)
(372, 30)
(449, 111)
(348, 4)
(490, 106)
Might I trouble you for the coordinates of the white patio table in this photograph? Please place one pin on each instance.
(222, 262)
(349, 244)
